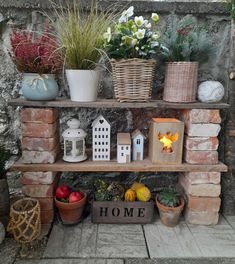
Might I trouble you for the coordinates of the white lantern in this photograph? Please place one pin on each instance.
(74, 142)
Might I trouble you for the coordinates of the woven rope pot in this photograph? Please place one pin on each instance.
(133, 79)
(25, 223)
(181, 82)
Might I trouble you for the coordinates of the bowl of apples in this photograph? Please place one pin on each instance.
(70, 204)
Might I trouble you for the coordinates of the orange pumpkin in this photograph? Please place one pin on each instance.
(130, 195)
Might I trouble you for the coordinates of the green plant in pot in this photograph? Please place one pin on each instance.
(36, 56)
(80, 37)
(170, 205)
(4, 191)
(188, 46)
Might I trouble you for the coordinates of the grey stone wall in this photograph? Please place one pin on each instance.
(28, 13)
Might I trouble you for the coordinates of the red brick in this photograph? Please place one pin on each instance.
(39, 191)
(202, 130)
(208, 190)
(201, 143)
(39, 130)
(47, 217)
(203, 177)
(202, 204)
(202, 116)
(201, 157)
(39, 144)
(30, 156)
(46, 203)
(201, 218)
(37, 177)
(39, 115)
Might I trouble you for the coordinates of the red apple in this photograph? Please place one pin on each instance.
(62, 192)
(75, 197)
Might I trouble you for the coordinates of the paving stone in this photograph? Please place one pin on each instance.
(203, 203)
(202, 130)
(201, 143)
(202, 116)
(8, 251)
(201, 218)
(201, 157)
(39, 130)
(203, 177)
(39, 144)
(37, 177)
(71, 261)
(39, 115)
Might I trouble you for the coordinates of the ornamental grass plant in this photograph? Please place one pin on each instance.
(80, 33)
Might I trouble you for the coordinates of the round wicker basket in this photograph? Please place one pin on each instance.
(25, 223)
(133, 79)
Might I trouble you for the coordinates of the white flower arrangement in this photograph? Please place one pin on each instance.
(133, 37)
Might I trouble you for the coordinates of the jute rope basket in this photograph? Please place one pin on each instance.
(133, 79)
(25, 223)
(181, 82)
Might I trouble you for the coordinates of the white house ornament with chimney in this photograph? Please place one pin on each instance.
(137, 145)
(101, 134)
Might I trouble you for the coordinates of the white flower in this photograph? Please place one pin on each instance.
(137, 48)
(139, 21)
(155, 17)
(156, 36)
(126, 14)
(148, 26)
(140, 33)
(134, 42)
(108, 34)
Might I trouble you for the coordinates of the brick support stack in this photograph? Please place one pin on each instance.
(40, 144)
(201, 188)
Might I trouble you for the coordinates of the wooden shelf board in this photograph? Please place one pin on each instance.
(107, 166)
(112, 103)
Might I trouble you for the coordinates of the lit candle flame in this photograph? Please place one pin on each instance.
(167, 141)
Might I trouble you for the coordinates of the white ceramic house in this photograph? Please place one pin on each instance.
(137, 145)
(123, 148)
(101, 134)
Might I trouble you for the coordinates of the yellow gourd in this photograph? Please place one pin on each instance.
(137, 185)
(143, 194)
(130, 195)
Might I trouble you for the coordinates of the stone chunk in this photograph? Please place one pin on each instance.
(196, 116)
(208, 190)
(39, 130)
(203, 177)
(202, 204)
(39, 156)
(201, 218)
(201, 157)
(201, 143)
(202, 130)
(38, 177)
(39, 144)
(39, 115)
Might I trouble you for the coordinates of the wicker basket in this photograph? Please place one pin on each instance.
(133, 79)
(181, 82)
(25, 223)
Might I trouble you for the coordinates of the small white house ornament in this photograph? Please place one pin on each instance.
(123, 148)
(137, 145)
(210, 92)
(101, 130)
(74, 142)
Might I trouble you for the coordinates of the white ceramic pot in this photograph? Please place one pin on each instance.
(83, 84)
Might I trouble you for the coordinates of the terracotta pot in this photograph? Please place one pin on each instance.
(71, 213)
(170, 215)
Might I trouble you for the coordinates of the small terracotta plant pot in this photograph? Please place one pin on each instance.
(71, 213)
(170, 215)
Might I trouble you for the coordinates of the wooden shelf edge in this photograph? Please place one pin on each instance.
(112, 103)
(113, 166)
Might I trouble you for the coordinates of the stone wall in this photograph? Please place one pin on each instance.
(22, 13)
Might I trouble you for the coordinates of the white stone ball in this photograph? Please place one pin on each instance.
(2, 232)
(210, 92)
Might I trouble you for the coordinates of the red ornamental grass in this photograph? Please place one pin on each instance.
(33, 53)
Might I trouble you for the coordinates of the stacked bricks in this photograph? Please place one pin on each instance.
(40, 144)
(202, 189)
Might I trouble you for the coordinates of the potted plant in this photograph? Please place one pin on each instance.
(131, 44)
(188, 45)
(170, 205)
(70, 204)
(80, 36)
(4, 191)
(36, 56)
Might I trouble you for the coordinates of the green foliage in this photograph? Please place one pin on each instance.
(4, 156)
(108, 192)
(169, 198)
(186, 41)
(133, 37)
(80, 33)
(230, 6)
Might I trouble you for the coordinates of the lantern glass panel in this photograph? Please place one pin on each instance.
(68, 147)
(79, 147)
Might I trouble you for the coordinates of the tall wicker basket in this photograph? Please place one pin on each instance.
(181, 82)
(133, 79)
(25, 223)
